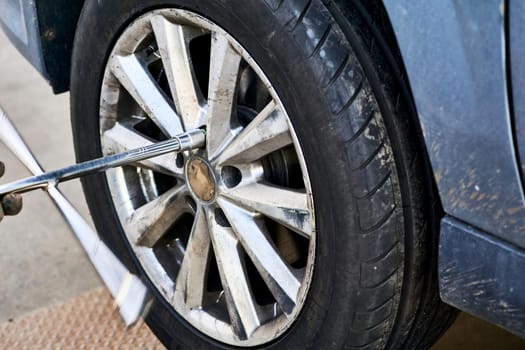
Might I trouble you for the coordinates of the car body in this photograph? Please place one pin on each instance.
(463, 61)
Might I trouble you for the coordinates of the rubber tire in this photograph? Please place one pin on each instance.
(374, 284)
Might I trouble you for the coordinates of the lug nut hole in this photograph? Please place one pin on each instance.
(231, 176)
(220, 218)
(179, 161)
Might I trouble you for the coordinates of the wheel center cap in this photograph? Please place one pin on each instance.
(200, 179)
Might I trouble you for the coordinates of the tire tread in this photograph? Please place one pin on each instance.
(368, 157)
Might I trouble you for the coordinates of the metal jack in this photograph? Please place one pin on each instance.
(129, 292)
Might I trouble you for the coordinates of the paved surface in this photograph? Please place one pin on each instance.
(40, 260)
(470, 333)
(88, 321)
(42, 266)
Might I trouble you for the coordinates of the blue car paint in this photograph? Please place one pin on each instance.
(455, 57)
(517, 68)
(19, 21)
(482, 275)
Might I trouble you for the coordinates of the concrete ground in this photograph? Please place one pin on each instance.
(41, 263)
(40, 260)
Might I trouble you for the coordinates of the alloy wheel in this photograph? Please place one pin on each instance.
(226, 234)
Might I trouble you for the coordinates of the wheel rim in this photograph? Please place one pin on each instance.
(226, 234)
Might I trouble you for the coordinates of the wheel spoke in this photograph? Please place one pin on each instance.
(287, 207)
(243, 311)
(121, 138)
(150, 222)
(224, 71)
(255, 239)
(172, 40)
(135, 78)
(191, 281)
(268, 132)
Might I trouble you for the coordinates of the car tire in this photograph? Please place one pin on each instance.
(373, 283)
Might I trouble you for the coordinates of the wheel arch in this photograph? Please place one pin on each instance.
(440, 52)
(57, 22)
(453, 59)
(43, 31)
(374, 17)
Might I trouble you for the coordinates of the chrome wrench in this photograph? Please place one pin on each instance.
(129, 292)
(182, 142)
